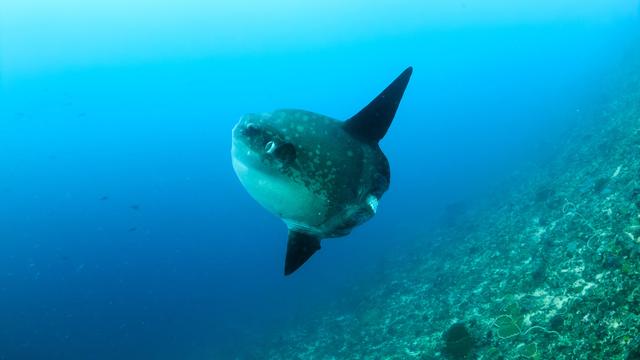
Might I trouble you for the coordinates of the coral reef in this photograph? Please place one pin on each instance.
(547, 270)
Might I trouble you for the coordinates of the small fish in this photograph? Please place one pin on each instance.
(135, 207)
(104, 198)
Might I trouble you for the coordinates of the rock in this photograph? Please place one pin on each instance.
(458, 343)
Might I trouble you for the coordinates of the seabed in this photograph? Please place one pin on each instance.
(548, 268)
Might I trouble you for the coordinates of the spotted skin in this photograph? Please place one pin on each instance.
(321, 176)
(328, 162)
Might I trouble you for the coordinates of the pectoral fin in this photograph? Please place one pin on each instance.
(300, 247)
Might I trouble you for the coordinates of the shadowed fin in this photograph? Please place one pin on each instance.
(371, 123)
(300, 247)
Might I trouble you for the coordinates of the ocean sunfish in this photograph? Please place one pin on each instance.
(321, 176)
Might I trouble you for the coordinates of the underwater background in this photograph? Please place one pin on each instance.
(511, 228)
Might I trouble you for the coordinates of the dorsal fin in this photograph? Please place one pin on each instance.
(371, 123)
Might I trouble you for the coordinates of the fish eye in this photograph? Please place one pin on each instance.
(270, 147)
(286, 152)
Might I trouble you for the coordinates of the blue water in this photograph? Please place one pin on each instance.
(124, 233)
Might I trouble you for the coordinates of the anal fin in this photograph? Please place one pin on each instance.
(300, 247)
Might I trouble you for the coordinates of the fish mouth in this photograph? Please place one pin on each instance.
(242, 155)
(239, 148)
(236, 134)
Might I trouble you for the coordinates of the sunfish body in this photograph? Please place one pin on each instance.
(321, 176)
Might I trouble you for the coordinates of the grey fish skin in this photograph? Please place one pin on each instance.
(321, 176)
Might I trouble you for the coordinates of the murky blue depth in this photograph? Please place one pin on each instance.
(124, 233)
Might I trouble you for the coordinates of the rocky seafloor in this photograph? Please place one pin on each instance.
(547, 270)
